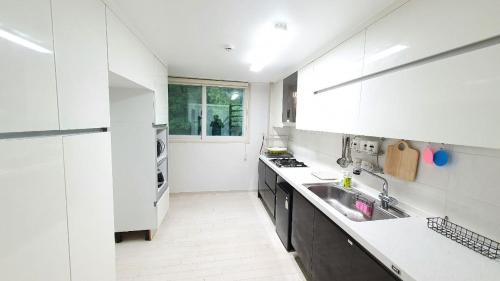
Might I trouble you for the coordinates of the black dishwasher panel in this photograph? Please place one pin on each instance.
(284, 203)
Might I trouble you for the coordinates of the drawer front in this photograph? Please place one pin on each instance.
(302, 229)
(269, 200)
(271, 179)
(262, 176)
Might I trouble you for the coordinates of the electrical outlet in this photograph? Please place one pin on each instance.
(372, 147)
(355, 144)
(363, 146)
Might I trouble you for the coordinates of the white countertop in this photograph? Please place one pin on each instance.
(420, 253)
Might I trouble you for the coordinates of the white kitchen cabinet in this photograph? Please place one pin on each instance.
(334, 111)
(34, 244)
(138, 205)
(89, 188)
(28, 97)
(337, 110)
(129, 58)
(341, 64)
(305, 86)
(276, 106)
(453, 100)
(81, 63)
(422, 28)
(161, 95)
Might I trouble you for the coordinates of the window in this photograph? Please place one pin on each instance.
(184, 110)
(207, 110)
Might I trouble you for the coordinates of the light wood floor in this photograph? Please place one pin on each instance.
(223, 236)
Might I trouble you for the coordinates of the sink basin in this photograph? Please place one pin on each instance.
(344, 201)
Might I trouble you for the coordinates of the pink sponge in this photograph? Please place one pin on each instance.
(364, 207)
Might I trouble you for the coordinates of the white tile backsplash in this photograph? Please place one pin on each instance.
(467, 189)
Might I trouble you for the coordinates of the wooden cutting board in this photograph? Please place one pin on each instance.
(401, 161)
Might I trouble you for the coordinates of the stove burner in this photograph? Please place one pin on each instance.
(280, 156)
(288, 163)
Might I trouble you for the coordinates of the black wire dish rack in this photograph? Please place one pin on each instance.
(476, 242)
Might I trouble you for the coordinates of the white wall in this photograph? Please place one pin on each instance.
(467, 190)
(196, 167)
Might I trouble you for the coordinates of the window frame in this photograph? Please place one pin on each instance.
(204, 109)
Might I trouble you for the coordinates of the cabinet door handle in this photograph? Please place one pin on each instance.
(395, 269)
(350, 242)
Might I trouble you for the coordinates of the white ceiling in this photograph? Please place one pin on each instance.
(189, 35)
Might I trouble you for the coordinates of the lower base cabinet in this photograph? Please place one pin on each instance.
(34, 235)
(89, 195)
(302, 229)
(267, 188)
(332, 251)
(337, 257)
(56, 208)
(326, 252)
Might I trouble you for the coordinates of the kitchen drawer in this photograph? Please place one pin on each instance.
(271, 179)
(269, 201)
(262, 176)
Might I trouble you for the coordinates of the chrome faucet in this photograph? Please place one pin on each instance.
(386, 200)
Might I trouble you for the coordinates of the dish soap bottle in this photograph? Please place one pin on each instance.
(346, 182)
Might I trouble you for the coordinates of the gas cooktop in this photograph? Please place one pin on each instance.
(288, 163)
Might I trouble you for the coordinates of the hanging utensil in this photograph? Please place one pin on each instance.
(340, 161)
(348, 148)
(343, 161)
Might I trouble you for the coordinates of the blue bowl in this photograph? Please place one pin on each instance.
(441, 157)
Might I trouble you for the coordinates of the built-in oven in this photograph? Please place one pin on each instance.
(161, 160)
(161, 178)
(160, 147)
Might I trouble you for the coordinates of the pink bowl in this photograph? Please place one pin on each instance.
(428, 155)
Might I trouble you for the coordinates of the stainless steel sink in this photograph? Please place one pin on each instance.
(344, 201)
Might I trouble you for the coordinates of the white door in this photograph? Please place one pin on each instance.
(28, 98)
(89, 187)
(81, 63)
(34, 243)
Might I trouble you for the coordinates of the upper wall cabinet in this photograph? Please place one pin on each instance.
(129, 58)
(276, 105)
(161, 95)
(422, 28)
(305, 93)
(335, 110)
(454, 100)
(81, 63)
(28, 98)
(342, 64)
(289, 100)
